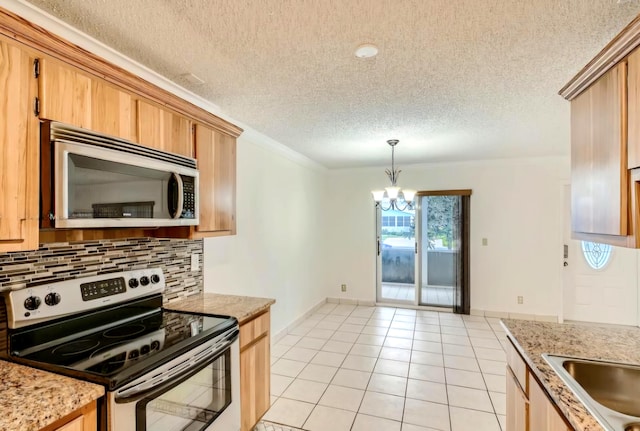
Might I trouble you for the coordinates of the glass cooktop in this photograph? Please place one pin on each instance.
(135, 336)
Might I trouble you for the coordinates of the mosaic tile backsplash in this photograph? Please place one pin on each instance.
(63, 261)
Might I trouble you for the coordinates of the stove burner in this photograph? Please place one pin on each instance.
(76, 347)
(124, 331)
(110, 347)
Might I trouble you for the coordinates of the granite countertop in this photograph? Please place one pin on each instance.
(606, 342)
(243, 308)
(32, 399)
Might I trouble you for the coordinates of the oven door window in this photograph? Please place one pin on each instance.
(191, 404)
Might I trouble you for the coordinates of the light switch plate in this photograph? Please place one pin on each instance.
(195, 262)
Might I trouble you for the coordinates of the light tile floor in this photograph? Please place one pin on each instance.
(353, 368)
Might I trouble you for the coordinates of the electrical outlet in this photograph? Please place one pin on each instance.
(520, 299)
(344, 287)
(485, 241)
(195, 262)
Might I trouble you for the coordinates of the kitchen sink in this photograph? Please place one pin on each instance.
(609, 390)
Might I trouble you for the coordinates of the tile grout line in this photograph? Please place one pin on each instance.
(379, 356)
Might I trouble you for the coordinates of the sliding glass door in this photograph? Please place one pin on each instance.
(396, 242)
(423, 254)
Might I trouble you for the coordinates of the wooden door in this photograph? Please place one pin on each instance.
(599, 178)
(163, 129)
(72, 97)
(216, 155)
(19, 163)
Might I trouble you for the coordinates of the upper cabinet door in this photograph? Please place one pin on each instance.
(69, 96)
(164, 130)
(216, 155)
(599, 177)
(19, 163)
(633, 100)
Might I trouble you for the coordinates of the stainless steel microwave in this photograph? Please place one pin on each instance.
(91, 180)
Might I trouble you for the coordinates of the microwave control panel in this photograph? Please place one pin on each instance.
(189, 197)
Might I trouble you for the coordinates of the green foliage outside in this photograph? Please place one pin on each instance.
(442, 216)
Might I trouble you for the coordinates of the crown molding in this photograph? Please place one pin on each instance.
(615, 51)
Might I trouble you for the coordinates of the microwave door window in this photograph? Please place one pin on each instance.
(106, 189)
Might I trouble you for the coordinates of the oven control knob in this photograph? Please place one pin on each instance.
(52, 298)
(32, 303)
(155, 278)
(133, 283)
(144, 280)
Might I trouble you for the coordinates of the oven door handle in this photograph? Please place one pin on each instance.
(175, 372)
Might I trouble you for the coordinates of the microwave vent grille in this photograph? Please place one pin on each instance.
(123, 210)
(64, 132)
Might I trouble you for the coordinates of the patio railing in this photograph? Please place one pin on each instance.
(398, 266)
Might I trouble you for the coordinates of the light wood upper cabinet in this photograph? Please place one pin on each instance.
(633, 111)
(70, 96)
(599, 177)
(216, 155)
(162, 129)
(19, 161)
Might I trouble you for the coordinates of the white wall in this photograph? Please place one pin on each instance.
(279, 249)
(606, 295)
(516, 205)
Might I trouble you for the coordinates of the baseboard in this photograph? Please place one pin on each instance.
(278, 336)
(351, 301)
(517, 316)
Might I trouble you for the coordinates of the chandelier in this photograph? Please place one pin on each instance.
(393, 197)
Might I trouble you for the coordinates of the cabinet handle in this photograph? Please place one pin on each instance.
(36, 106)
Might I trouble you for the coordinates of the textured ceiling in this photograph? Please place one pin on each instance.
(454, 79)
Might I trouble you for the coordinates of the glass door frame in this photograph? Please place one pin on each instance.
(459, 305)
(379, 298)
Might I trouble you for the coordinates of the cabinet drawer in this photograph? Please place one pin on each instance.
(254, 329)
(518, 367)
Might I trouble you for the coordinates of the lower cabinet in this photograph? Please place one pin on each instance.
(83, 419)
(542, 414)
(528, 406)
(255, 370)
(517, 404)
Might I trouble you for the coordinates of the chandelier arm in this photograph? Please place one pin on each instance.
(379, 205)
(406, 206)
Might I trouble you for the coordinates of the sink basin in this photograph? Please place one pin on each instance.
(615, 386)
(609, 390)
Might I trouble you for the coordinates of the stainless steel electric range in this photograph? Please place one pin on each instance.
(162, 370)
